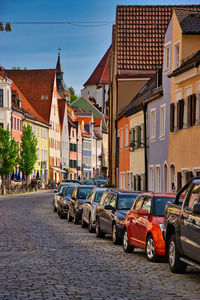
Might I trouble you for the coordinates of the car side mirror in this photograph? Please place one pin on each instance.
(73, 198)
(143, 212)
(55, 191)
(196, 209)
(109, 207)
(87, 201)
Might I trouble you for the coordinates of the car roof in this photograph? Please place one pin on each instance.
(86, 186)
(121, 191)
(163, 195)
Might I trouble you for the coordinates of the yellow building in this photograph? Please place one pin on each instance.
(183, 59)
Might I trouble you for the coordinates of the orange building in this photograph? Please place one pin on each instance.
(123, 154)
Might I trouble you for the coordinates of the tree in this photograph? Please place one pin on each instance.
(8, 154)
(73, 96)
(28, 155)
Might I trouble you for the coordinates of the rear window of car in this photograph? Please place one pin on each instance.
(125, 202)
(98, 196)
(159, 205)
(83, 192)
(69, 191)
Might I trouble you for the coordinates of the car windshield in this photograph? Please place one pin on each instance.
(159, 205)
(69, 191)
(98, 196)
(83, 192)
(125, 202)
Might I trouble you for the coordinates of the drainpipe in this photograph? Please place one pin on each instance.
(145, 146)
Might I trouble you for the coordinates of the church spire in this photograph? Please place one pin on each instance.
(59, 69)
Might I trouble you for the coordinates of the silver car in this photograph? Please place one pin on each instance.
(59, 192)
(89, 208)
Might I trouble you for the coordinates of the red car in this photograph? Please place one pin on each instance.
(144, 224)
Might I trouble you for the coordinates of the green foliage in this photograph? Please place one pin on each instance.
(18, 68)
(73, 96)
(8, 152)
(109, 185)
(28, 155)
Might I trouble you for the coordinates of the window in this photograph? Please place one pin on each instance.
(138, 203)
(147, 204)
(72, 132)
(153, 124)
(158, 181)
(121, 139)
(126, 145)
(167, 57)
(194, 196)
(18, 124)
(8, 99)
(151, 178)
(1, 98)
(162, 120)
(38, 131)
(177, 56)
(1, 125)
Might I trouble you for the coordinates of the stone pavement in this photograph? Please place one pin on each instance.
(44, 257)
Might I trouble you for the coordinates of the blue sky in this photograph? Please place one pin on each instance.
(36, 46)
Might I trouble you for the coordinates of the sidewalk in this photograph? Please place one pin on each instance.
(21, 194)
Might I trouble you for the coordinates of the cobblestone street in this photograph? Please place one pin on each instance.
(44, 257)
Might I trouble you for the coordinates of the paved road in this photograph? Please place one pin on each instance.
(44, 257)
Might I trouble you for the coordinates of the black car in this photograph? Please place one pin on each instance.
(111, 213)
(78, 197)
(71, 181)
(63, 201)
(89, 208)
(58, 194)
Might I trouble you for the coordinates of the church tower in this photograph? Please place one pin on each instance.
(61, 86)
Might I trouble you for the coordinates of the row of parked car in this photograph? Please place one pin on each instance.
(134, 219)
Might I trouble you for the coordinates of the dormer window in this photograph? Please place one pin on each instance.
(1, 98)
(167, 57)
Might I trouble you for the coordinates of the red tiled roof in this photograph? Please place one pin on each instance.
(26, 105)
(35, 84)
(2, 72)
(101, 73)
(140, 31)
(61, 110)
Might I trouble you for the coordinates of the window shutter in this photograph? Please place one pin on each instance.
(189, 175)
(178, 115)
(135, 183)
(172, 117)
(193, 109)
(189, 111)
(179, 181)
(138, 136)
(134, 136)
(139, 183)
(182, 113)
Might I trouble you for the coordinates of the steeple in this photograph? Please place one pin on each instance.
(61, 86)
(59, 69)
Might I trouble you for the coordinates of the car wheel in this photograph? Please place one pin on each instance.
(99, 233)
(54, 208)
(76, 218)
(69, 217)
(83, 223)
(150, 249)
(115, 236)
(90, 225)
(126, 246)
(175, 264)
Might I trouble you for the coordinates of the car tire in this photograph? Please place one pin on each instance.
(115, 235)
(54, 208)
(91, 230)
(69, 217)
(99, 233)
(126, 246)
(76, 218)
(83, 223)
(150, 249)
(175, 264)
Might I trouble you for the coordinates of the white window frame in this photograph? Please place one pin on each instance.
(153, 124)
(167, 56)
(121, 139)
(151, 178)
(162, 120)
(177, 57)
(158, 178)
(127, 135)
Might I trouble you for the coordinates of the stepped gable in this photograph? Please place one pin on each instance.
(101, 72)
(37, 87)
(140, 31)
(27, 108)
